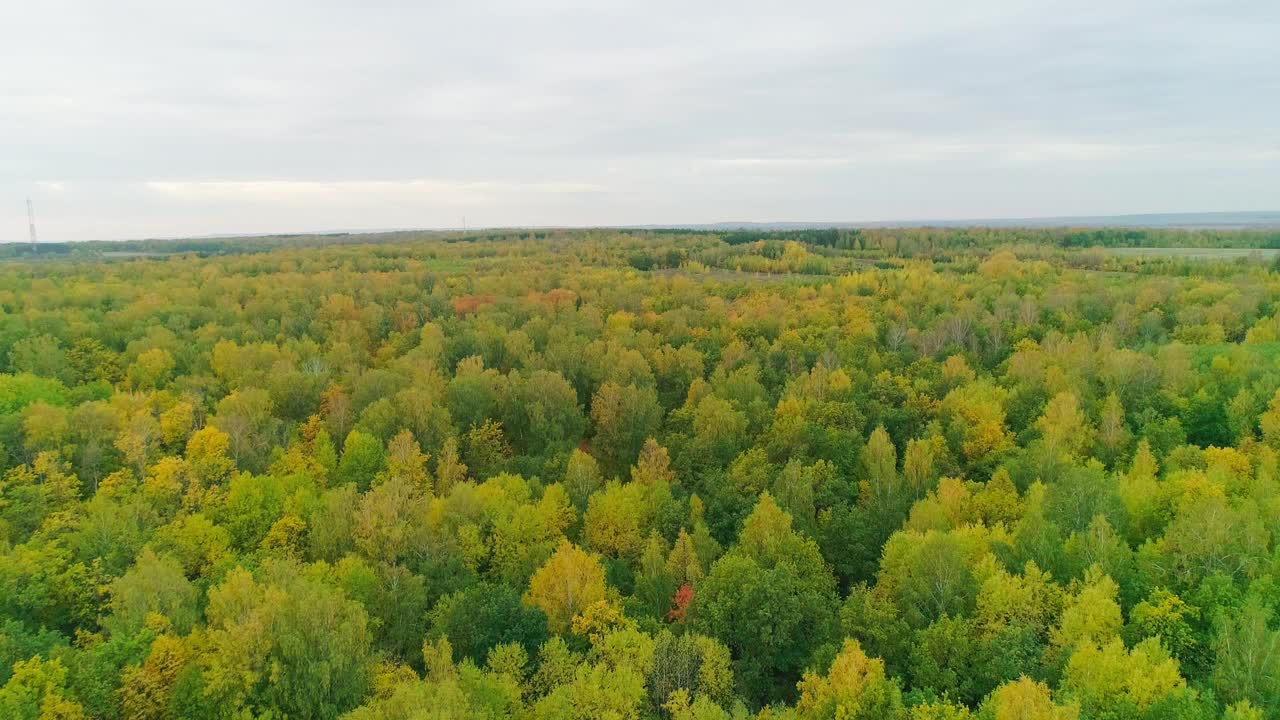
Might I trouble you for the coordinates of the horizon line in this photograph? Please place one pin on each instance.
(1246, 220)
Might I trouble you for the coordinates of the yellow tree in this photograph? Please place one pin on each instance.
(1113, 434)
(37, 690)
(1063, 427)
(1269, 421)
(855, 688)
(570, 581)
(1091, 617)
(1025, 699)
(683, 563)
(617, 519)
(654, 464)
(208, 462)
(450, 469)
(1107, 678)
(917, 465)
(406, 460)
(147, 690)
(977, 421)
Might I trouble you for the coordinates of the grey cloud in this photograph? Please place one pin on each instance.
(288, 115)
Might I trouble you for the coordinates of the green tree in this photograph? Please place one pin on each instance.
(155, 585)
(362, 459)
(541, 411)
(486, 449)
(246, 417)
(1247, 652)
(40, 355)
(287, 643)
(90, 361)
(624, 417)
(771, 600)
(485, 616)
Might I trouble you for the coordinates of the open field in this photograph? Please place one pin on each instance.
(1198, 253)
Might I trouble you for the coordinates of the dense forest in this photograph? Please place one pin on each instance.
(918, 474)
(901, 241)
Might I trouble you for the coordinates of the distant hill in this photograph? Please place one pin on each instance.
(1266, 219)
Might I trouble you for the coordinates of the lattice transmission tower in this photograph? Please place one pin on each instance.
(31, 222)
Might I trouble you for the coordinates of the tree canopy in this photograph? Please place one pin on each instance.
(919, 473)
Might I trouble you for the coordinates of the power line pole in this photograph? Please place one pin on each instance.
(31, 222)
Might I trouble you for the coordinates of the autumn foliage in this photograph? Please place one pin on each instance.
(915, 474)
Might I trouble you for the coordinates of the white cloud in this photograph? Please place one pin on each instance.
(434, 192)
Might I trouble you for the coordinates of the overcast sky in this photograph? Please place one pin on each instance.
(130, 118)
